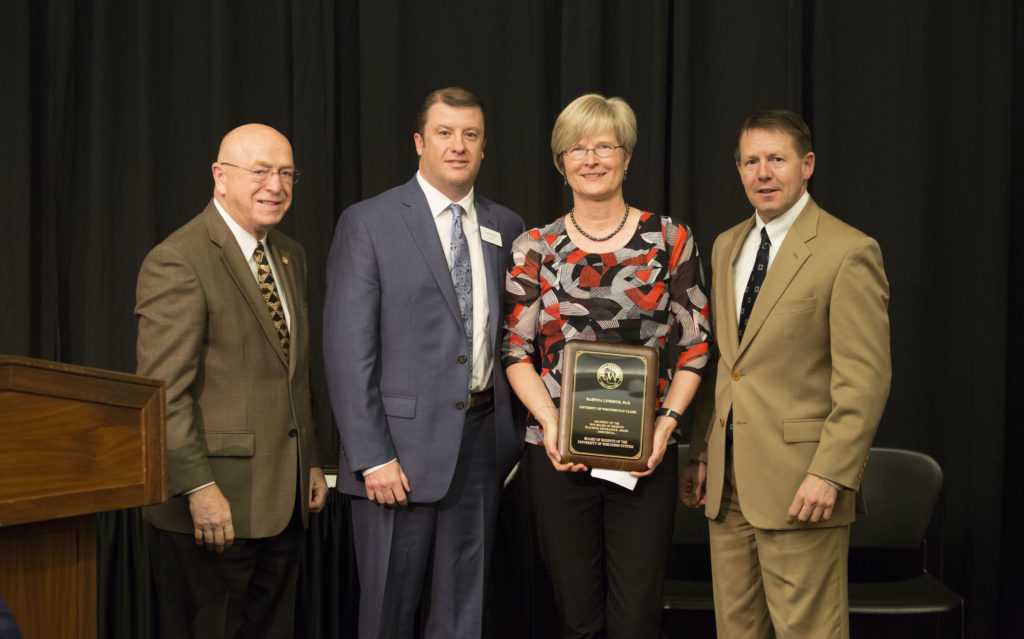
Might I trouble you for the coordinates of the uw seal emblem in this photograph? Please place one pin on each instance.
(609, 376)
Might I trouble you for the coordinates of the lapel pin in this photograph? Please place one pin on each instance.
(284, 259)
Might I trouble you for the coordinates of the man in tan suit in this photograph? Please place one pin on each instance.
(800, 303)
(222, 315)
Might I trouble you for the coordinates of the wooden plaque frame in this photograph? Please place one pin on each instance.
(606, 413)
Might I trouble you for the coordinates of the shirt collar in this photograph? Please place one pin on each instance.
(437, 201)
(778, 227)
(245, 240)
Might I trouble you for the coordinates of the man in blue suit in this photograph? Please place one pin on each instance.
(412, 335)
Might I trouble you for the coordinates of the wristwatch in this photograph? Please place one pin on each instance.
(668, 412)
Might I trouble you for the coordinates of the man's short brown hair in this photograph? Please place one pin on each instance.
(453, 97)
(782, 120)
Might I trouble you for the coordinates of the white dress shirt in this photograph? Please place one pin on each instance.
(777, 230)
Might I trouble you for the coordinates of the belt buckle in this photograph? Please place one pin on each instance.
(482, 398)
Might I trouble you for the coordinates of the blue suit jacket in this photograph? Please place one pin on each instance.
(393, 337)
(8, 626)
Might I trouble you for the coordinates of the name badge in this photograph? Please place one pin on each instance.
(490, 235)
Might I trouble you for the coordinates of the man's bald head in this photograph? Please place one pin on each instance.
(247, 182)
(249, 136)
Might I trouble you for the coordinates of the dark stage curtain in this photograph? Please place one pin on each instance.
(113, 112)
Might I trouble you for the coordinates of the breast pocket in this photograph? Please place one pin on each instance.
(802, 305)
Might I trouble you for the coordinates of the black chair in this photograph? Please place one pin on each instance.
(689, 548)
(902, 489)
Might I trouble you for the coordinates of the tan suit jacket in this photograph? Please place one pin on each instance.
(238, 409)
(808, 383)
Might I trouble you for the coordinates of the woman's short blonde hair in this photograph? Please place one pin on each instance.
(589, 115)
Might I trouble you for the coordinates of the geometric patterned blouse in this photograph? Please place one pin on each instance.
(556, 293)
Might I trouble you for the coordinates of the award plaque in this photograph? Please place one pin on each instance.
(606, 414)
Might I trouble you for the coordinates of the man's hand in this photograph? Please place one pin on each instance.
(388, 485)
(692, 483)
(317, 490)
(813, 502)
(211, 516)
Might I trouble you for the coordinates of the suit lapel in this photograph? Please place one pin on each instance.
(495, 275)
(728, 344)
(424, 233)
(237, 266)
(788, 261)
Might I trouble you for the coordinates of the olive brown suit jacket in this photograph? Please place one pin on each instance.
(238, 408)
(808, 382)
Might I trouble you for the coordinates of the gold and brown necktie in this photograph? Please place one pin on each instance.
(269, 289)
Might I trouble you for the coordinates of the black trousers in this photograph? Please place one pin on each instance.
(248, 591)
(604, 546)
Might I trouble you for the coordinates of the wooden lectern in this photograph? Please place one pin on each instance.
(74, 441)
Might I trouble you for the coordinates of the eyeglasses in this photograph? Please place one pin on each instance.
(601, 151)
(288, 176)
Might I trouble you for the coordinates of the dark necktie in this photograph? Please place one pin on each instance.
(749, 295)
(462, 272)
(269, 289)
(754, 282)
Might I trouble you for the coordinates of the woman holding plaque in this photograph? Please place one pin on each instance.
(612, 273)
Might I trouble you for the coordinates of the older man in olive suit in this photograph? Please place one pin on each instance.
(223, 321)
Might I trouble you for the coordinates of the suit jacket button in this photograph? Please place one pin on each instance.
(736, 377)
(463, 359)
(293, 433)
(460, 405)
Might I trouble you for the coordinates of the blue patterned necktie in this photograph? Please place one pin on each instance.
(269, 289)
(754, 282)
(462, 272)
